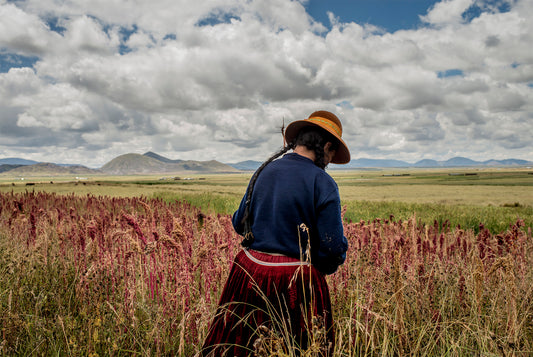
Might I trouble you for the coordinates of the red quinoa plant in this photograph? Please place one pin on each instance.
(120, 276)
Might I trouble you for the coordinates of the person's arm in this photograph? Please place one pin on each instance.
(237, 217)
(333, 244)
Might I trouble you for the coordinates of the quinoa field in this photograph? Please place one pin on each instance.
(85, 275)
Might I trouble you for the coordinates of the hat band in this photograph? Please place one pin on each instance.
(329, 124)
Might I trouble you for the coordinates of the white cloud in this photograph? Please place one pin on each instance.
(447, 12)
(84, 34)
(22, 32)
(25, 120)
(17, 84)
(215, 79)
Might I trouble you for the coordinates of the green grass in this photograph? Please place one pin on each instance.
(207, 202)
(496, 219)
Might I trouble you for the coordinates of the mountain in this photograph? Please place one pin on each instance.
(248, 165)
(8, 167)
(507, 162)
(426, 163)
(460, 161)
(16, 161)
(47, 169)
(149, 163)
(161, 158)
(133, 163)
(453, 162)
(466, 162)
(364, 162)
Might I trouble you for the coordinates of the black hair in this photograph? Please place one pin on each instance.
(313, 138)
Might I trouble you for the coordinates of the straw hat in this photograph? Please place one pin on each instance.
(327, 121)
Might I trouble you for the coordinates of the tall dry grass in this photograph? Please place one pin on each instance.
(108, 276)
(136, 276)
(415, 290)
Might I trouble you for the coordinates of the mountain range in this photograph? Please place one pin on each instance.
(427, 163)
(151, 163)
(127, 164)
(364, 163)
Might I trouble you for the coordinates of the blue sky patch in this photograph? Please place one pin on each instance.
(215, 18)
(53, 24)
(125, 34)
(345, 105)
(388, 15)
(475, 10)
(11, 60)
(450, 73)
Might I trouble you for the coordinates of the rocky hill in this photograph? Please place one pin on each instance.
(8, 167)
(161, 158)
(49, 169)
(149, 163)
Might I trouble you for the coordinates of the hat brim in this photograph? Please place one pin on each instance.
(342, 155)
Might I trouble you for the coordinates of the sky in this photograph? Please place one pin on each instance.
(84, 81)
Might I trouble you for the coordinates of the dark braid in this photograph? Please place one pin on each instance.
(248, 236)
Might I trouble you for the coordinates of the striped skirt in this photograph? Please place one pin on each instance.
(271, 303)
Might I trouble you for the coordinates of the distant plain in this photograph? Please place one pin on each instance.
(461, 196)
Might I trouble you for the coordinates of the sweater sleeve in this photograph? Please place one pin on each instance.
(333, 244)
(237, 217)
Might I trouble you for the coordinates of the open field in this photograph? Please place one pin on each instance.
(449, 186)
(467, 197)
(446, 186)
(82, 275)
(117, 266)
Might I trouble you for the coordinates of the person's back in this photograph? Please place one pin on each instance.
(292, 191)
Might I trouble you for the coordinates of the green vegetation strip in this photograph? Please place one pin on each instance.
(206, 202)
(496, 219)
(468, 217)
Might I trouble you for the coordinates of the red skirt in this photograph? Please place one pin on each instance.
(271, 300)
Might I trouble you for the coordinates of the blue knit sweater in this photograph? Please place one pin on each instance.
(288, 192)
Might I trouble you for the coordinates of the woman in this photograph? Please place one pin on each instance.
(290, 218)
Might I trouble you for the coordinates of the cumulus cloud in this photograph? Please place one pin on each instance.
(216, 79)
(447, 12)
(22, 32)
